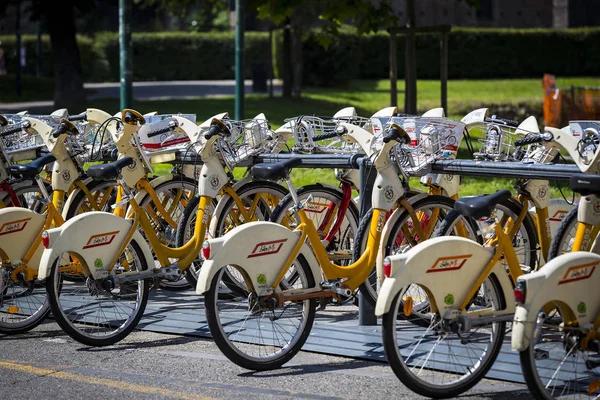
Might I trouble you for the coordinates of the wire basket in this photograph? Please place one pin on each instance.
(431, 139)
(308, 129)
(248, 138)
(21, 141)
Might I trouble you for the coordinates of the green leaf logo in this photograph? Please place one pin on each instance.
(581, 308)
(98, 263)
(261, 279)
(449, 299)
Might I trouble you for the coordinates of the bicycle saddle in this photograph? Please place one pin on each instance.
(585, 184)
(109, 171)
(33, 168)
(275, 171)
(480, 206)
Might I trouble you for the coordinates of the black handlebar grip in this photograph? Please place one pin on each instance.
(324, 136)
(59, 130)
(129, 117)
(393, 134)
(172, 125)
(504, 121)
(78, 117)
(17, 128)
(532, 139)
(212, 131)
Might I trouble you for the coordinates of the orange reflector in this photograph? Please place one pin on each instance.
(12, 310)
(408, 306)
(594, 386)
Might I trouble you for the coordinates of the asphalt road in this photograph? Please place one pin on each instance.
(167, 90)
(46, 363)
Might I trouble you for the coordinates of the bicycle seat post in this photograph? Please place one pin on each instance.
(293, 192)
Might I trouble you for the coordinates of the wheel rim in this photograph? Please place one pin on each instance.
(440, 361)
(254, 334)
(558, 365)
(21, 303)
(94, 311)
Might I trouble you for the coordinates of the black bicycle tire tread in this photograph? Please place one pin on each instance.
(558, 239)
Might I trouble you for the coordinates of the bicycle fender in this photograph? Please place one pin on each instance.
(94, 238)
(447, 267)
(260, 249)
(570, 280)
(19, 228)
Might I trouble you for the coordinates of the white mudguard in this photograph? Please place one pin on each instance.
(19, 227)
(447, 267)
(570, 280)
(260, 249)
(95, 237)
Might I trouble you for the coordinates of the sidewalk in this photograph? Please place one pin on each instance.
(168, 90)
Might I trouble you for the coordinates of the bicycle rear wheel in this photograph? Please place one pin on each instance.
(435, 361)
(98, 312)
(253, 332)
(563, 240)
(555, 367)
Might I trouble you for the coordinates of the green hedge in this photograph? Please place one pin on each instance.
(87, 51)
(473, 53)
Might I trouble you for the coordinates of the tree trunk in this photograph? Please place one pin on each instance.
(287, 61)
(69, 91)
(297, 62)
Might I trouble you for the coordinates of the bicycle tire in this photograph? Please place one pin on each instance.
(224, 334)
(82, 331)
(562, 242)
(400, 354)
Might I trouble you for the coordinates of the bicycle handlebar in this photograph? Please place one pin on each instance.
(78, 117)
(539, 138)
(17, 128)
(504, 121)
(172, 125)
(393, 133)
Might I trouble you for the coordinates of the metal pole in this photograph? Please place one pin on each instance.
(240, 16)
(444, 70)
(410, 94)
(18, 31)
(393, 68)
(366, 312)
(271, 62)
(125, 62)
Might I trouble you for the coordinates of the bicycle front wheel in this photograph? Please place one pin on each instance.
(253, 331)
(98, 312)
(554, 365)
(563, 240)
(439, 360)
(23, 304)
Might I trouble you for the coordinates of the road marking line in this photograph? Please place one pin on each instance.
(101, 381)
